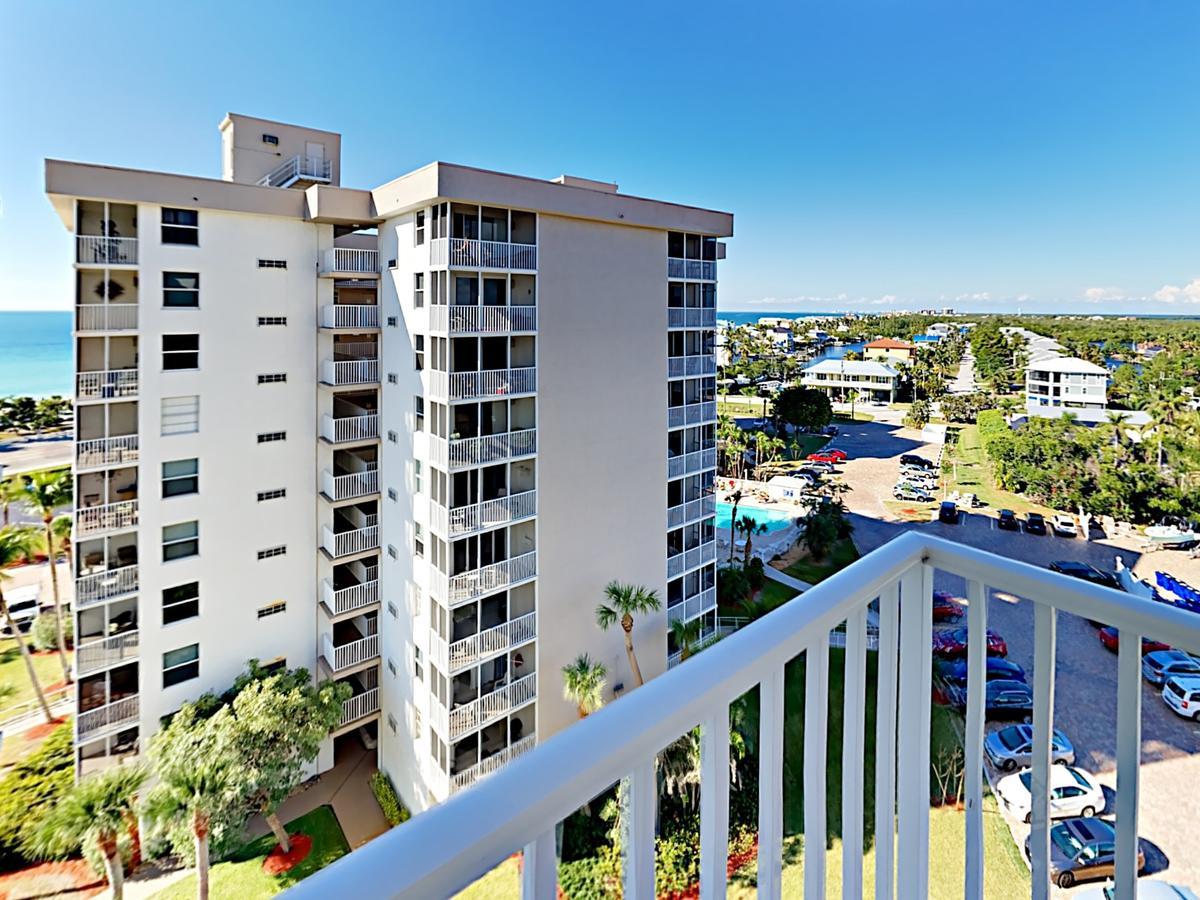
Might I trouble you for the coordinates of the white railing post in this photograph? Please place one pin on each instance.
(539, 874)
(912, 796)
(770, 787)
(816, 714)
(641, 797)
(714, 804)
(973, 738)
(853, 743)
(1129, 757)
(1044, 627)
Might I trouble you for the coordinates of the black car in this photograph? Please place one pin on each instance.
(1085, 572)
(910, 459)
(948, 512)
(1035, 523)
(1008, 521)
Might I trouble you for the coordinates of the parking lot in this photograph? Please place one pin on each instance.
(1085, 676)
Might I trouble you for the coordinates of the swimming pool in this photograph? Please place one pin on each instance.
(774, 519)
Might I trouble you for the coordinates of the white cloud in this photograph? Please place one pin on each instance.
(1188, 293)
(885, 300)
(978, 297)
(1097, 294)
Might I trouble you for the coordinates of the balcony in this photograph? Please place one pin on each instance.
(475, 583)
(693, 606)
(683, 366)
(345, 315)
(488, 514)
(359, 707)
(103, 719)
(92, 656)
(91, 520)
(99, 250)
(339, 601)
(299, 169)
(482, 319)
(686, 560)
(107, 585)
(467, 253)
(351, 541)
(345, 429)
(490, 383)
(500, 702)
(690, 511)
(461, 780)
(520, 806)
(491, 641)
(112, 451)
(693, 269)
(107, 385)
(347, 262)
(691, 318)
(346, 487)
(687, 463)
(351, 654)
(106, 317)
(691, 414)
(491, 448)
(341, 372)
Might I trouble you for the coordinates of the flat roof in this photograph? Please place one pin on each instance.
(852, 367)
(1071, 364)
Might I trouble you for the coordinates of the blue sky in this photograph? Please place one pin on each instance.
(984, 155)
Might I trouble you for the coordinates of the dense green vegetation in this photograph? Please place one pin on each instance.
(29, 791)
(29, 414)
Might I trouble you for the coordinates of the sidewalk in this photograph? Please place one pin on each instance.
(785, 579)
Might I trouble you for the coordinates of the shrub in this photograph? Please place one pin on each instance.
(754, 574)
(733, 585)
(44, 633)
(393, 810)
(30, 789)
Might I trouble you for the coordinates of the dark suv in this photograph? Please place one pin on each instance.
(1085, 572)
(1035, 523)
(948, 512)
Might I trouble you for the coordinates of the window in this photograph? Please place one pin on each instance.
(180, 351)
(393, 378)
(393, 437)
(418, 663)
(272, 609)
(392, 321)
(273, 378)
(272, 263)
(273, 494)
(180, 415)
(278, 664)
(419, 352)
(392, 723)
(181, 289)
(392, 667)
(266, 437)
(417, 724)
(272, 320)
(393, 552)
(180, 226)
(419, 414)
(418, 478)
(392, 610)
(418, 539)
(418, 290)
(180, 541)
(272, 551)
(391, 492)
(181, 665)
(419, 229)
(180, 602)
(180, 476)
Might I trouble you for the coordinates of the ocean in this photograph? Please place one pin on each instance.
(749, 318)
(35, 353)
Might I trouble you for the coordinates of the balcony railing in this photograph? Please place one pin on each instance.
(351, 654)
(691, 318)
(691, 414)
(298, 168)
(476, 583)
(106, 585)
(686, 560)
(350, 428)
(693, 606)
(344, 600)
(491, 641)
(448, 847)
(492, 383)
(349, 371)
(98, 250)
(343, 543)
(118, 714)
(356, 484)
(360, 706)
(474, 254)
(462, 780)
(345, 315)
(100, 654)
(482, 319)
(491, 513)
(106, 317)
(680, 366)
(700, 269)
(108, 385)
(109, 517)
(106, 451)
(696, 461)
(348, 261)
(693, 509)
(491, 448)
(489, 707)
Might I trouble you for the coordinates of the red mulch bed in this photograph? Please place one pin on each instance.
(37, 732)
(73, 878)
(278, 862)
(733, 863)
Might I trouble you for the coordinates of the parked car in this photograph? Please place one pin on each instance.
(951, 643)
(947, 607)
(1146, 890)
(998, 668)
(810, 472)
(1086, 572)
(825, 468)
(911, 459)
(836, 452)
(1082, 849)
(1004, 698)
(822, 458)
(1110, 637)
(1073, 792)
(1035, 523)
(1008, 521)
(924, 471)
(1159, 665)
(1011, 748)
(831, 430)
(1064, 525)
(948, 512)
(920, 484)
(912, 493)
(1182, 694)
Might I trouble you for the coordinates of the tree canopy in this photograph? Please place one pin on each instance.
(803, 407)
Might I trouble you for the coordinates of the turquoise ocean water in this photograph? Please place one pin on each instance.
(35, 353)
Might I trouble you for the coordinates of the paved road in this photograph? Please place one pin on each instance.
(964, 382)
(35, 453)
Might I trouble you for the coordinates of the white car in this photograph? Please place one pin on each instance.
(1182, 694)
(1064, 525)
(1073, 792)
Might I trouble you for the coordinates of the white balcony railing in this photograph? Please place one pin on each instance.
(350, 428)
(348, 261)
(106, 585)
(690, 511)
(356, 484)
(703, 270)
(343, 543)
(693, 606)
(107, 385)
(482, 319)
(493, 382)
(686, 560)
(489, 707)
(92, 656)
(109, 517)
(110, 717)
(106, 451)
(360, 706)
(106, 317)
(448, 847)
(474, 254)
(491, 513)
(696, 461)
(298, 168)
(465, 779)
(95, 249)
(691, 414)
(680, 366)
(691, 318)
(351, 654)
(491, 641)
(344, 600)
(345, 315)
(492, 448)
(349, 371)
(468, 586)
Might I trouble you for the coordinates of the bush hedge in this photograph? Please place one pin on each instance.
(393, 810)
(28, 791)
(44, 633)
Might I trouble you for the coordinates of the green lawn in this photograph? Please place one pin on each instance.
(844, 552)
(859, 416)
(965, 468)
(242, 875)
(14, 681)
(773, 593)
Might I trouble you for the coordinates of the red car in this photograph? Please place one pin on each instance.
(824, 457)
(834, 451)
(947, 607)
(1111, 639)
(952, 643)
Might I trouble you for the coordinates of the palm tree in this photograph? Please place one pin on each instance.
(583, 684)
(12, 491)
(44, 493)
(747, 526)
(63, 526)
(93, 812)
(1007, 406)
(625, 601)
(735, 498)
(16, 543)
(687, 636)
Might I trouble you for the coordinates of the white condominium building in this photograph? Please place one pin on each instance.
(1064, 381)
(402, 437)
(844, 379)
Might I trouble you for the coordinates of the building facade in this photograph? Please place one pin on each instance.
(381, 436)
(1064, 381)
(846, 379)
(890, 350)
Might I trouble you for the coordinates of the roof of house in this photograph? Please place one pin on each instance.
(852, 367)
(890, 344)
(1070, 364)
(1130, 417)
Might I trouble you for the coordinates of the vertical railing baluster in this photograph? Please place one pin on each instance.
(1129, 752)
(714, 804)
(885, 744)
(641, 788)
(916, 630)
(1044, 626)
(539, 873)
(853, 727)
(770, 787)
(816, 717)
(973, 737)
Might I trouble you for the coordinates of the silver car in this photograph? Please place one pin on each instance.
(1011, 748)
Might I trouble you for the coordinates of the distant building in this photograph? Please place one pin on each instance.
(1064, 381)
(891, 349)
(783, 338)
(843, 378)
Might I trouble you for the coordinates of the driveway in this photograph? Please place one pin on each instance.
(874, 450)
